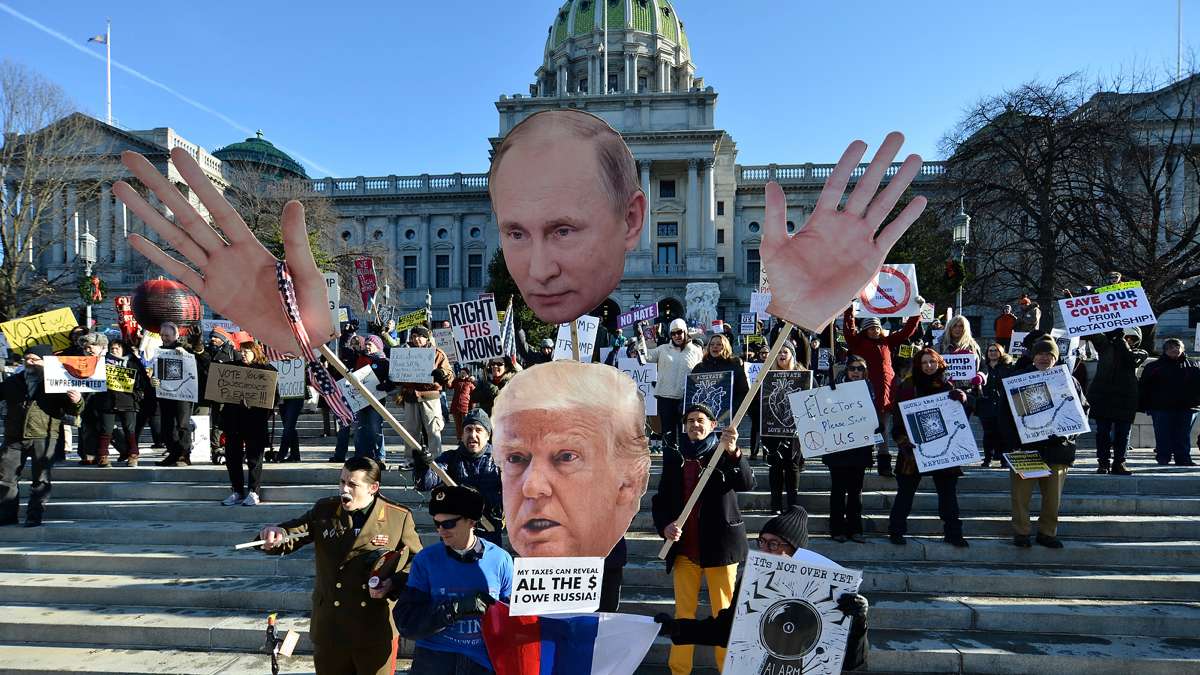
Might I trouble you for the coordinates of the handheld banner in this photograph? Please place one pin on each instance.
(411, 364)
(412, 320)
(119, 378)
(1044, 404)
(476, 330)
(354, 400)
(960, 367)
(906, 351)
(1028, 464)
(543, 586)
(1016, 346)
(928, 311)
(775, 410)
(84, 374)
(586, 327)
(937, 335)
(48, 328)
(786, 618)
(823, 356)
(1068, 348)
(758, 304)
(752, 371)
(444, 339)
(364, 270)
(176, 373)
(207, 326)
(251, 387)
(830, 420)
(643, 313)
(747, 323)
(938, 428)
(714, 390)
(291, 382)
(893, 292)
(645, 376)
(1106, 310)
(125, 320)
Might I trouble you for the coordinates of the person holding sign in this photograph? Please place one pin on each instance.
(1057, 452)
(712, 541)
(1169, 391)
(991, 402)
(675, 359)
(175, 416)
(847, 470)
(718, 358)
(497, 375)
(32, 423)
(368, 438)
(422, 400)
(127, 383)
(1114, 395)
(246, 435)
(928, 377)
(450, 587)
(957, 338)
(783, 454)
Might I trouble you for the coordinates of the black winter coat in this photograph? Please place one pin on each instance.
(1170, 384)
(1113, 391)
(247, 422)
(991, 396)
(1054, 450)
(722, 530)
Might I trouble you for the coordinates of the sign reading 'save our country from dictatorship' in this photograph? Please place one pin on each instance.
(1117, 306)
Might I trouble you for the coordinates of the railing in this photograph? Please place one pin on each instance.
(817, 173)
(669, 269)
(391, 185)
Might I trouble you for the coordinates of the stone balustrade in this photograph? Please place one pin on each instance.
(393, 185)
(815, 174)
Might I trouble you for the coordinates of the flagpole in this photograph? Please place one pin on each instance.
(108, 64)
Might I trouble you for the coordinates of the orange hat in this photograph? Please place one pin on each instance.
(242, 337)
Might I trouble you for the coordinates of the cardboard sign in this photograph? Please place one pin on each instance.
(775, 410)
(207, 326)
(412, 320)
(177, 378)
(786, 619)
(831, 420)
(893, 292)
(643, 313)
(938, 428)
(291, 379)
(543, 586)
(48, 328)
(928, 311)
(364, 270)
(1017, 346)
(645, 376)
(411, 364)
(444, 339)
(84, 374)
(587, 327)
(1106, 310)
(906, 351)
(1028, 464)
(355, 400)
(120, 379)
(714, 390)
(201, 439)
(251, 387)
(758, 304)
(476, 330)
(960, 367)
(333, 292)
(1044, 404)
(747, 323)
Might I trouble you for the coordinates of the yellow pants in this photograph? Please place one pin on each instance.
(687, 575)
(1051, 488)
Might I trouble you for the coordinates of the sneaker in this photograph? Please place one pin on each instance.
(898, 539)
(1120, 469)
(956, 542)
(1021, 541)
(251, 499)
(132, 461)
(233, 499)
(1049, 541)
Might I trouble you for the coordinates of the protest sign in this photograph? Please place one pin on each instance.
(786, 619)
(775, 417)
(906, 351)
(751, 340)
(747, 323)
(176, 373)
(714, 390)
(830, 420)
(411, 364)
(643, 313)
(443, 338)
(937, 335)
(928, 311)
(355, 400)
(364, 270)
(291, 382)
(1068, 348)
(476, 330)
(125, 320)
(960, 367)
(3, 346)
(823, 357)
(938, 428)
(120, 379)
(151, 342)
(586, 327)
(1044, 404)
(207, 326)
(752, 371)
(1196, 345)
(1017, 344)
(201, 439)
(48, 328)
(758, 304)
(343, 315)
(1028, 464)
(412, 320)
(333, 292)
(644, 375)
(1106, 310)
(555, 585)
(893, 292)
(251, 387)
(84, 374)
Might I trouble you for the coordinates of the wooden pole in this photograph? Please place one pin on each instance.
(575, 340)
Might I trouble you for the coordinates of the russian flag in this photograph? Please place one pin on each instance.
(566, 644)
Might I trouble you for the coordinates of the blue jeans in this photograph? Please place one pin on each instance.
(343, 440)
(368, 440)
(1172, 435)
(289, 412)
(1112, 439)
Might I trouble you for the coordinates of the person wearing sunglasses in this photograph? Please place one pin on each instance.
(784, 534)
(450, 587)
(847, 470)
(496, 375)
(675, 360)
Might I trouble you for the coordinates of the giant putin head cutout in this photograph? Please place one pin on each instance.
(565, 191)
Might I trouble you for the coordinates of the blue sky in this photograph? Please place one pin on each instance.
(374, 88)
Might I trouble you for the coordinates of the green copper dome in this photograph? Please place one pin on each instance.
(263, 154)
(582, 17)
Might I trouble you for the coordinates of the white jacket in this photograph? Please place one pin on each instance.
(673, 367)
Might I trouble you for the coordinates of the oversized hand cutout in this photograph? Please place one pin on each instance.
(817, 271)
(233, 273)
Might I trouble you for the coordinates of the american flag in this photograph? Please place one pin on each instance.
(508, 337)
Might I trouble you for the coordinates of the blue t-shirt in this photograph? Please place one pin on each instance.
(444, 578)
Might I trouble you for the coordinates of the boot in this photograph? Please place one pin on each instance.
(885, 466)
(102, 443)
(1119, 469)
(1103, 467)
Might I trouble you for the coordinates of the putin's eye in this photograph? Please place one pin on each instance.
(563, 232)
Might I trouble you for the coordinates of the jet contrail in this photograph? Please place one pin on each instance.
(75, 44)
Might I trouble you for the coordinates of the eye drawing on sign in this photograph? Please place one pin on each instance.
(789, 618)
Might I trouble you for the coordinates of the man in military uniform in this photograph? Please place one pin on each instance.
(352, 633)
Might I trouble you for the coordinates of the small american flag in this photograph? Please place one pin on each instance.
(508, 337)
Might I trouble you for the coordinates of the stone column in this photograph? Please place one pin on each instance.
(69, 245)
(104, 238)
(54, 233)
(121, 231)
(693, 206)
(456, 254)
(633, 78)
(644, 240)
(425, 270)
(707, 208)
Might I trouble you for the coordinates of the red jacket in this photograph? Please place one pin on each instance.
(878, 354)
(462, 395)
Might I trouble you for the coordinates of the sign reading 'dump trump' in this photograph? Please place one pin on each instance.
(786, 619)
(714, 390)
(291, 382)
(411, 364)
(893, 292)
(777, 420)
(85, 374)
(940, 433)
(830, 420)
(1044, 403)
(476, 330)
(644, 313)
(586, 327)
(251, 387)
(1123, 306)
(555, 585)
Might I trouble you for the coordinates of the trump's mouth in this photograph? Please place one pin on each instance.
(539, 524)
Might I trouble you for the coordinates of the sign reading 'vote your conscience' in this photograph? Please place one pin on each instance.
(47, 328)
(1117, 306)
(831, 420)
(252, 387)
(476, 330)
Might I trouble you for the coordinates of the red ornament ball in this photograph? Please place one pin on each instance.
(161, 300)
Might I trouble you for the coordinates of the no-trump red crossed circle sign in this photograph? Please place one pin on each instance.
(888, 293)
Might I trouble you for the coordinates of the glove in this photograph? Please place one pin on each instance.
(920, 300)
(1055, 438)
(667, 622)
(853, 605)
(979, 380)
(959, 395)
(422, 456)
(470, 607)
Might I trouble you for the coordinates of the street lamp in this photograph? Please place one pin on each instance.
(87, 254)
(961, 233)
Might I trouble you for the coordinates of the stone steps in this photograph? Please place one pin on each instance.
(48, 659)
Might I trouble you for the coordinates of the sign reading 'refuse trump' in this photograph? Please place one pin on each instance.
(1119, 306)
(476, 330)
(940, 433)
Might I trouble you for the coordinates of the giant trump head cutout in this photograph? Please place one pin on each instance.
(565, 190)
